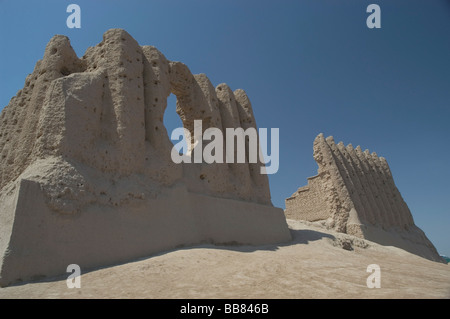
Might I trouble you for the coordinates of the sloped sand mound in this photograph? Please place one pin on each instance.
(316, 264)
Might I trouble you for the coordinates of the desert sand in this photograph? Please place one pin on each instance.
(313, 265)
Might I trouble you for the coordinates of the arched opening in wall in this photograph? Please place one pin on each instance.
(174, 125)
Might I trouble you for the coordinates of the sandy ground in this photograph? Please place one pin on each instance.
(313, 265)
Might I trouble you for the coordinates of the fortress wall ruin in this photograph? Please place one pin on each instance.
(86, 174)
(354, 193)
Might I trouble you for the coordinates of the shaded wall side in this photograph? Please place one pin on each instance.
(308, 202)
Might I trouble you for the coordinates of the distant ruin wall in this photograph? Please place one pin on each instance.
(354, 192)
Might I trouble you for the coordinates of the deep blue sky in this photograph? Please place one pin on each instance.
(307, 66)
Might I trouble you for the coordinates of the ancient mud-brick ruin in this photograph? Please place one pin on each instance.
(86, 175)
(354, 193)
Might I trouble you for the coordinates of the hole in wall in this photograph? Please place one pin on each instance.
(173, 121)
(64, 71)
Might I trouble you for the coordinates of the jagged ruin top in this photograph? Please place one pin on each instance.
(105, 111)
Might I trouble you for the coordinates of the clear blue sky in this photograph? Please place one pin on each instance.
(307, 66)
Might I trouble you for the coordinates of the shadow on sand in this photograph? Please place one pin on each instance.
(299, 237)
